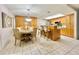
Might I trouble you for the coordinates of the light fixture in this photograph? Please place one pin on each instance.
(55, 16)
(28, 19)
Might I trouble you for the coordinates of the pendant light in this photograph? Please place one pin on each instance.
(28, 19)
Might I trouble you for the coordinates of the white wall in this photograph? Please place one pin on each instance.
(6, 11)
(77, 24)
(5, 33)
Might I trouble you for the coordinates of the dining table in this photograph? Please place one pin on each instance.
(27, 34)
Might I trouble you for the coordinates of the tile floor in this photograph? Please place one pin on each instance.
(43, 46)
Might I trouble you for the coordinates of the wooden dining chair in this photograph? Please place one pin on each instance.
(17, 36)
(34, 34)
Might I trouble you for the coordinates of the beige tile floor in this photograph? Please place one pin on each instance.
(43, 46)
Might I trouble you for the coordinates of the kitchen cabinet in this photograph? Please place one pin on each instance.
(68, 21)
(54, 33)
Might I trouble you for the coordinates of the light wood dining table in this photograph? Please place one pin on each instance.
(27, 34)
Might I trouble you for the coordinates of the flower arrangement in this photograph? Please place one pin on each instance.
(60, 25)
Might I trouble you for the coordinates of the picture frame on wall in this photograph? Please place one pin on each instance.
(6, 21)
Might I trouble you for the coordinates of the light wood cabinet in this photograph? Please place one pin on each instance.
(70, 25)
(34, 22)
(67, 20)
(19, 21)
(63, 31)
(54, 33)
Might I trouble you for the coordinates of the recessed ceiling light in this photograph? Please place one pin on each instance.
(48, 11)
(28, 19)
(54, 16)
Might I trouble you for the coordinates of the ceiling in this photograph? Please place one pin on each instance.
(74, 6)
(39, 10)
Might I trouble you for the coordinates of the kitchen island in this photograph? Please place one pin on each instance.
(52, 33)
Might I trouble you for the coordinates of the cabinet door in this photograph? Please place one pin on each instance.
(19, 21)
(63, 21)
(72, 26)
(68, 26)
(34, 22)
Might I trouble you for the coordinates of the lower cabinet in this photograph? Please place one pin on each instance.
(54, 33)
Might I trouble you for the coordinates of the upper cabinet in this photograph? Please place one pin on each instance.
(20, 21)
(34, 22)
